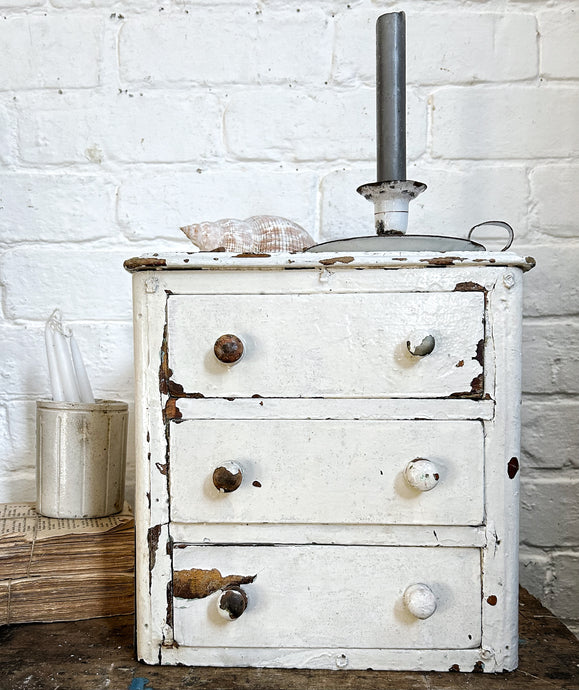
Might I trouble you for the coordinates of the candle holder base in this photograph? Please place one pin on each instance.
(391, 199)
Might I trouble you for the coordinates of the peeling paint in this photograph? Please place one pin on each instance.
(337, 259)
(513, 467)
(166, 386)
(469, 287)
(171, 410)
(141, 263)
(198, 584)
(250, 255)
(442, 260)
(479, 667)
(492, 600)
(480, 352)
(455, 668)
(461, 363)
(163, 468)
(153, 542)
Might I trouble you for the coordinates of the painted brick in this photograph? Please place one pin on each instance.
(550, 436)
(37, 280)
(17, 487)
(107, 350)
(37, 51)
(205, 46)
(535, 571)
(272, 123)
(550, 510)
(7, 127)
(559, 44)
(22, 425)
(23, 369)
(496, 122)
(551, 357)
(454, 201)
(157, 205)
(20, 4)
(5, 441)
(56, 207)
(442, 48)
(564, 601)
(143, 128)
(554, 187)
(551, 287)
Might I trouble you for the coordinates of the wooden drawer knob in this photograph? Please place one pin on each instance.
(420, 600)
(227, 477)
(421, 474)
(420, 346)
(228, 348)
(232, 603)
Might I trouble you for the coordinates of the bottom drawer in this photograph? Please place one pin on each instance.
(327, 596)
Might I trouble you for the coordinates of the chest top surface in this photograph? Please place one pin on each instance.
(286, 261)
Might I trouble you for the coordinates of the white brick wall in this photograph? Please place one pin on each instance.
(122, 119)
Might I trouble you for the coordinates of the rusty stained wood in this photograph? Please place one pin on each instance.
(197, 583)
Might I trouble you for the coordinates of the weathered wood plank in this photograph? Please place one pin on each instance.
(95, 654)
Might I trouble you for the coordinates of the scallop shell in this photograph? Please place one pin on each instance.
(257, 234)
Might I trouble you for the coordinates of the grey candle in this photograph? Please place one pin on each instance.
(391, 96)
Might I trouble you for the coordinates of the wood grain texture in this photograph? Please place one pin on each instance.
(98, 654)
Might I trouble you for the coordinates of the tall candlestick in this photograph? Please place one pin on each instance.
(391, 96)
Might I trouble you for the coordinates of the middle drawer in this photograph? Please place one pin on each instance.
(327, 471)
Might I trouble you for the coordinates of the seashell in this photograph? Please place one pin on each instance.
(256, 235)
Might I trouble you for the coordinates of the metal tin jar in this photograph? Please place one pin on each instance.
(80, 458)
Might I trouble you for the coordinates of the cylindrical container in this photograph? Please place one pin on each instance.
(80, 458)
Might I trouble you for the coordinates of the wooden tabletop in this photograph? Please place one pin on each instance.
(99, 653)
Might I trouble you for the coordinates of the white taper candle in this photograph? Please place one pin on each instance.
(85, 390)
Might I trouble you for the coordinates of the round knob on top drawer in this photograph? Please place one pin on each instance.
(232, 603)
(420, 600)
(228, 348)
(421, 474)
(420, 346)
(227, 477)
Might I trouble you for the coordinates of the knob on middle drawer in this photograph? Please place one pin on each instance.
(421, 474)
(227, 477)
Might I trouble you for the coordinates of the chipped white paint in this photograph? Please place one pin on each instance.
(312, 448)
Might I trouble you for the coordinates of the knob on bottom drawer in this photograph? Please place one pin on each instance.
(420, 600)
(232, 603)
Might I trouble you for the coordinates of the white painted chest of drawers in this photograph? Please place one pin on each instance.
(368, 511)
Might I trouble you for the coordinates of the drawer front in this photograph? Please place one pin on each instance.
(328, 596)
(328, 471)
(336, 345)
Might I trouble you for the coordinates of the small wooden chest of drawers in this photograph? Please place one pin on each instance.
(327, 459)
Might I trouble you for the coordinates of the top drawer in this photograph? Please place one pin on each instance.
(329, 345)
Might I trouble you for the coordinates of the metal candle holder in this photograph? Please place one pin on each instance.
(392, 194)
